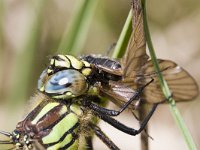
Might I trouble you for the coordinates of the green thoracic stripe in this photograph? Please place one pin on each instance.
(67, 140)
(71, 145)
(44, 111)
(70, 136)
(37, 104)
(76, 109)
(59, 130)
(60, 110)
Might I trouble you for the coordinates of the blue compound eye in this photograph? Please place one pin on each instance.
(66, 82)
(41, 79)
(59, 82)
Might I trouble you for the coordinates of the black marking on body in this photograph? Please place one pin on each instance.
(32, 115)
(74, 137)
(101, 65)
(56, 122)
(56, 108)
(102, 61)
(70, 131)
(58, 58)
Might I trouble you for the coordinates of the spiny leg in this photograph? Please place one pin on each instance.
(123, 127)
(103, 137)
(89, 143)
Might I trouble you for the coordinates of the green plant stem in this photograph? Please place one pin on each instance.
(75, 34)
(118, 53)
(174, 110)
(123, 38)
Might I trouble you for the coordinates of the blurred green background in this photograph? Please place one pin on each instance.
(31, 32)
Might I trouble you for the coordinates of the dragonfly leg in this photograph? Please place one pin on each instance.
(103, 137)
(89, 143)
(123, 127)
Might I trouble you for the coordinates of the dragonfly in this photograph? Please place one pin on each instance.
(72, 92)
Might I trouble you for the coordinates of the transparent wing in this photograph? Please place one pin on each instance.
(181, 83)
(134, 58)
(137, 70)
(118, 93)
(135, 55)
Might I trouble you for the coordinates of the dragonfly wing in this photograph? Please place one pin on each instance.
(181, 83)
(135, 55)
(134, 58)
(117, 72)
(118, 93)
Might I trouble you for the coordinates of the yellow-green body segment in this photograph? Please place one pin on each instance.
(53, 124)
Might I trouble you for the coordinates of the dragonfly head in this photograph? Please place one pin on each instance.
(65, 77)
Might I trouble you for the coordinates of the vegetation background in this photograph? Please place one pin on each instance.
(31, 31)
